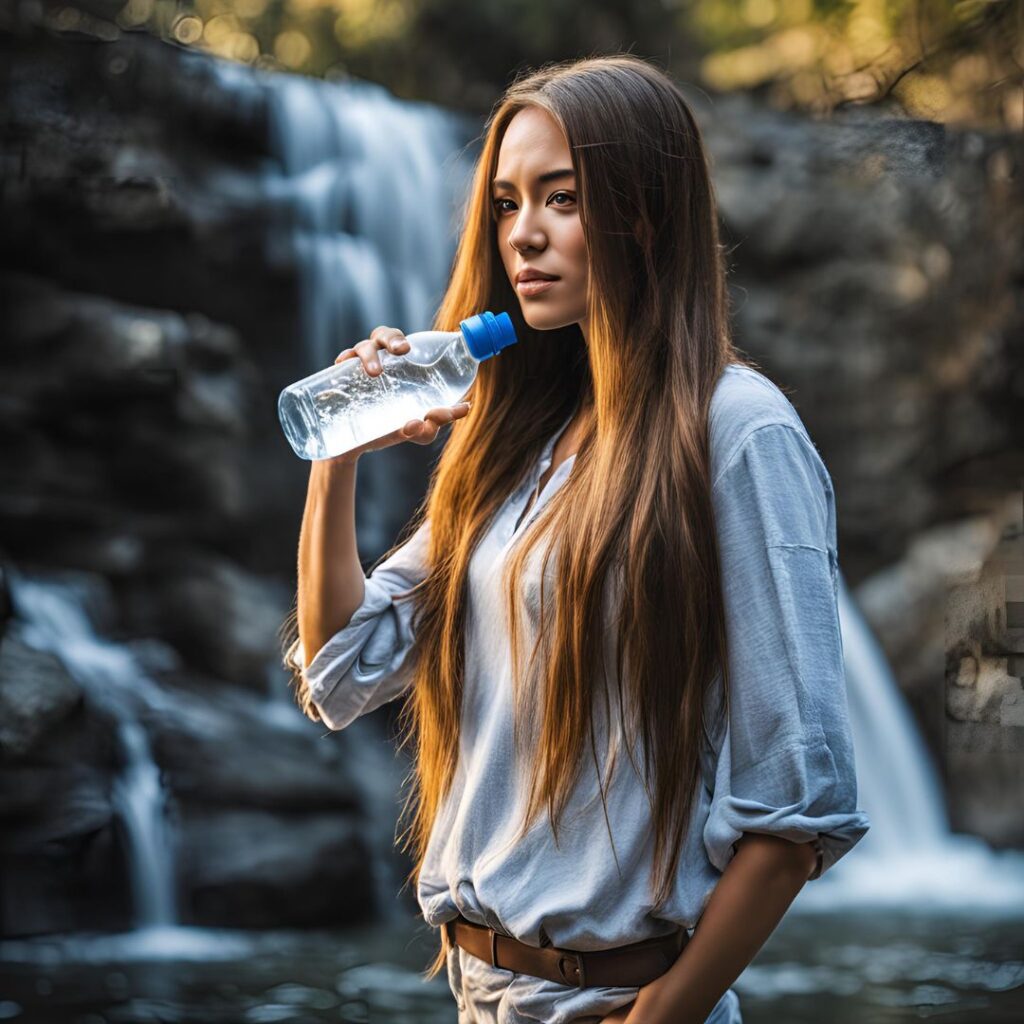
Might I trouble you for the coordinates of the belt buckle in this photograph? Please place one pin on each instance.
(576, 961)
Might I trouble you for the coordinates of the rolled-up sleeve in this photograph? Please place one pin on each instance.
(784, 759)
(367, 663)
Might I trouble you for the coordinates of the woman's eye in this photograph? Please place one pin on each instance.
(504, 199)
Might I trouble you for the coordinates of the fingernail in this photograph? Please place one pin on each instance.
(374, 364)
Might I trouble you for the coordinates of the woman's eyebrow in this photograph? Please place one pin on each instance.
(565, 172)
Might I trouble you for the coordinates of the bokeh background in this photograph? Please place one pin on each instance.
(202, 202)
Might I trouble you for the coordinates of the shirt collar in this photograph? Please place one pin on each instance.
(549, 448)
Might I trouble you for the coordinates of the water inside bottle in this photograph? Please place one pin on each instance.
(366, 407)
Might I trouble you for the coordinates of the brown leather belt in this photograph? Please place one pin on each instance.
(632, 965)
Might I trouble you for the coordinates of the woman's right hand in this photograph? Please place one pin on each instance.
(422, 431)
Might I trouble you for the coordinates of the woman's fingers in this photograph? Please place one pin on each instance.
(388, 336)
(425, 430)
(391, 339)
(422, 431)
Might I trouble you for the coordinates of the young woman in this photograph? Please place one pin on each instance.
(615, 620)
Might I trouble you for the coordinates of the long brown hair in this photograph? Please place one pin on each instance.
(635, 512)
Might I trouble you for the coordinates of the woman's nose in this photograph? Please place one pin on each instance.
(525, 235)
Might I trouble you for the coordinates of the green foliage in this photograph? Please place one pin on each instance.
(816, 54)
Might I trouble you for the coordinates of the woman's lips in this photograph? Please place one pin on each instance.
(536, 286)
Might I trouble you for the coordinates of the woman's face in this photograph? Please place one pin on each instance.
(538, 224)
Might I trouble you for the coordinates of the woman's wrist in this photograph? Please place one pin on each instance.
(331, 481)
(340, 465)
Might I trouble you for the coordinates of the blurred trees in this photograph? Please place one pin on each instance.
(955, 61)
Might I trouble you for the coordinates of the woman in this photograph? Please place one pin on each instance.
(615, 621)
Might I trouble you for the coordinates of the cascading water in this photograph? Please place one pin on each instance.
(369, 186)
(909, 857)
(51, 617)
(374, 185)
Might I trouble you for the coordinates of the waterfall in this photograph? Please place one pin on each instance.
(369, 189)
(909, 857)
(51, 617)
(365, 189)
(374, 185)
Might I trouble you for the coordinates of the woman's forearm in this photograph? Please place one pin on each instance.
(750, 899)
(330, 575)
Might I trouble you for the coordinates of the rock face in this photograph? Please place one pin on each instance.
(878, 273)
(985, 686)
(61, 859)
(145, 291)
(145, 296)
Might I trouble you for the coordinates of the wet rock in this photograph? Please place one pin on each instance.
(984, 691)
(36, 694)
(255, 869)
(225, 747)
(226, 618)
(876, 263)
(61, 856)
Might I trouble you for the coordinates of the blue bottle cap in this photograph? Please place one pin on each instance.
(486, 334)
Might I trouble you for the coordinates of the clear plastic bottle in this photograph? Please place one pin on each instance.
(342, 407)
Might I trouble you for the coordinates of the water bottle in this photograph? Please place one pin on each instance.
(342, 407)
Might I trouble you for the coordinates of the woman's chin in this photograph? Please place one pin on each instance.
(545, 319)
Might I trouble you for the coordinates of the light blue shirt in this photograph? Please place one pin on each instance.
(782, 762)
